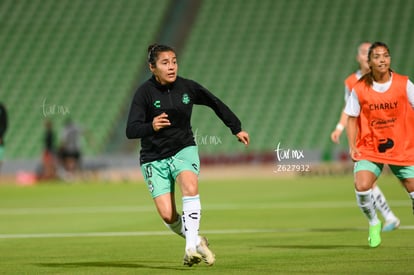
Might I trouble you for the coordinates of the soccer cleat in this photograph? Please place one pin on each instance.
(374, 238)
(191, 257)
(391, 225)
(205, 252)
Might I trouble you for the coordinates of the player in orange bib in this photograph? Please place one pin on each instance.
(380, 131)
(391, 222)
(350, 81)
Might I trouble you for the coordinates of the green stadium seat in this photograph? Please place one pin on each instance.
(79, 55)
(279, 65)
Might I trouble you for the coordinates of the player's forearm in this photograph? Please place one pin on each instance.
(351, 131)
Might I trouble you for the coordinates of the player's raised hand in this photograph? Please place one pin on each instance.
(243, 137)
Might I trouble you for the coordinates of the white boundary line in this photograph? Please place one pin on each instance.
(164, 233)
(150, 208)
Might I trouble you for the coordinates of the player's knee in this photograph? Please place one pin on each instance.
(363, 185)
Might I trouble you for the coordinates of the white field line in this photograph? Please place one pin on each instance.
(75, 210)
(162, 233)
(126, 209)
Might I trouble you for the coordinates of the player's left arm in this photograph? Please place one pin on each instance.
(202, 96)
(410, 93)
(243, 137)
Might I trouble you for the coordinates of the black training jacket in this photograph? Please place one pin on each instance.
(3, 123)
(177, 99)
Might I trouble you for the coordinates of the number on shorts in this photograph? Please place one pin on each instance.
(148, 171)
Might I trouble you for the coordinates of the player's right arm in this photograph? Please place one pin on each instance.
(351, 131)
(138, 125)
(352, 110)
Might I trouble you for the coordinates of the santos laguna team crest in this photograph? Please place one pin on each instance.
(185, 99)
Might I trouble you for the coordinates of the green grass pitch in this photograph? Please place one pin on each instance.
(298, 225)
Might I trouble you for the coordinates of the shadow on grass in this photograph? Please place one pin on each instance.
(132, 265)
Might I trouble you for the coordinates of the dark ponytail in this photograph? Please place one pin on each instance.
(154, 50)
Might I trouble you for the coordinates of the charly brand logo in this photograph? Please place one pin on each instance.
(157, 104)
(54, 109)
(290, 160)
(206, 139)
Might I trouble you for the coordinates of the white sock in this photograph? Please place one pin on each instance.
(191, 219)
(177, 227)
(382, 205)
(367, 205)
(412, 198)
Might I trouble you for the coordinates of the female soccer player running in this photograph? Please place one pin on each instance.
(380, 131)
(160, 115)
(381, 204)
